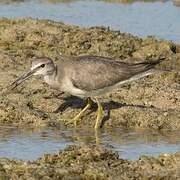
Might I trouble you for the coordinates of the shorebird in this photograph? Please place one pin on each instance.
(87, 77)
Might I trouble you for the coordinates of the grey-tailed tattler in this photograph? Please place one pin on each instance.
(88, 77)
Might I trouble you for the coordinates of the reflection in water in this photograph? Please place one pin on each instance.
(57, 1)
(176, 2)
(11, 1)
(36, 1)
(70, 1)
(132, 1)
(30, 144)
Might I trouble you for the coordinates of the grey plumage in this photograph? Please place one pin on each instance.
(89, 73)
(95, 75)
(87, 76)
(93, 72)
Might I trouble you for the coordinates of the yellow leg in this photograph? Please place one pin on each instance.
(97, 137)
(99, 115)
(80, 114)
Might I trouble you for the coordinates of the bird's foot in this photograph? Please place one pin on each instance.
(73, 120)
(80, 114)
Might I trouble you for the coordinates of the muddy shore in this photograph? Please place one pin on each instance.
(150, 103)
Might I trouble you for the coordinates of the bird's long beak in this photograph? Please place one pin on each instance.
(22, 78)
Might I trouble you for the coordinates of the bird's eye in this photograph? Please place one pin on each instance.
(42, 65)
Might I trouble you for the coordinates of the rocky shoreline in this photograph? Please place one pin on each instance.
(150, 103)
(83, 162)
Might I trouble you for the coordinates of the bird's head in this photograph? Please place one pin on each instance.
(40, 66)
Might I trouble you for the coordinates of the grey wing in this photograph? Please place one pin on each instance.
(93, 72)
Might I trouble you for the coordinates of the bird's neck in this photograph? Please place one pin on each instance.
(50, 78)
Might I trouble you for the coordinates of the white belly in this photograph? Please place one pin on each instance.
(67, 86)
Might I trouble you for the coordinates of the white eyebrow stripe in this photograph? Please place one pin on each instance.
(37, 65)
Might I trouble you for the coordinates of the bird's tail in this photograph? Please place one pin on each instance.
(146, 66)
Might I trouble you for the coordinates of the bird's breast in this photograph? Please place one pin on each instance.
(67, 86)
(51, 81)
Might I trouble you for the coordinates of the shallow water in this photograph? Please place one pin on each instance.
(28, 144)
(160, 19)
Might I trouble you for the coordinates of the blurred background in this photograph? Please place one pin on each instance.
(159, 18)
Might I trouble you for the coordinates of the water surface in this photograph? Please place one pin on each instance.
(158, 18)
(28, 144)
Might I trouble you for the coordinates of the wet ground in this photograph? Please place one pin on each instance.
(143, 120)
